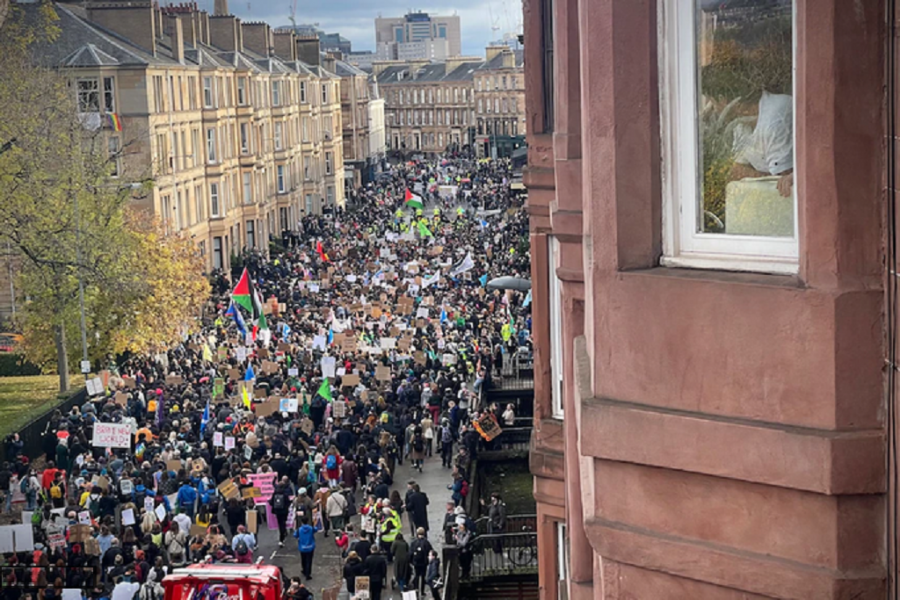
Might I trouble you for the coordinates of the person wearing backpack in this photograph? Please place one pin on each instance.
(446, 444)
(281, 505)
(333, 467)
(57, 491)
(418, 552)
(306, 545)
(417, 448)
(30, 487)
(243, 544)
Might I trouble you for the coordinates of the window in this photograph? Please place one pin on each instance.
(328, 163)
(276, 93)
(192, 92)
(556, 337)
(242, 91)
(195, 147)
(280, 179)
(329, 195)
(465, 95)
(247, 179)
(302, 92)
(306, 168)
(251, 234)
(309, 204)
(729, 193)
(505, 105)
(562, 560)
(109, 95)
(245, 138)
(547, 74)
(113, 147)
(211, 144)
(305, 132)
(88, 95)
(198, 203)
(207, 92)
(478, 84)
(214, 200)
(217, 253)
(324, 93)
(278, 134)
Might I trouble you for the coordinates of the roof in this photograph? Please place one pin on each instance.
(81, 43)
(436, 72)
(347, 70)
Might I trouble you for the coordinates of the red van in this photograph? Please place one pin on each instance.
(224, 582)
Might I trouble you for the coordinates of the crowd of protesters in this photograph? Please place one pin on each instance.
(377, 321)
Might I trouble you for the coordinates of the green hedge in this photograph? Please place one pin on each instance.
(14, 365)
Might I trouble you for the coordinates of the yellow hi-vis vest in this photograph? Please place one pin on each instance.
(391, 527)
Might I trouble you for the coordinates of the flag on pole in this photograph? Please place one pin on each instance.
(483, 280)
(412, 201)
(424, 231)
(249, 375)
(207, 353)
(238, 319)
(242, 292)
(325, 390)
(464, 266)
(443, 314)
(429, 281)
(245, 394)
(205, 419)
(527, 300)
(321, 251)
(285, 331)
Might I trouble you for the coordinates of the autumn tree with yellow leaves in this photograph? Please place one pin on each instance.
(72, 226)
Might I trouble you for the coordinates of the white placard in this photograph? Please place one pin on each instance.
(85, 366)
(7, 543)
(388, 343)
(84, 517)
(319, 343)
(148, 504)
(94, 386)
(229, 443)
(293, 372)
(112, 435)
(218, 439)
(288, 405)
(314, 287)
(341, 371)
(422, 312)
(241, 354)
(161, 512)
(328, 366)
(24, 535)
(128, 516)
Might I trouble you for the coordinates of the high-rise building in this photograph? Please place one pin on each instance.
(417, 35)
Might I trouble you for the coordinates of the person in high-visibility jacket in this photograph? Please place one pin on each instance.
(390, 527)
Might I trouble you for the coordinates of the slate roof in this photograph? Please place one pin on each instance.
(343, 69)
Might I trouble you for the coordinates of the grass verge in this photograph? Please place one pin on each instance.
(24, 398)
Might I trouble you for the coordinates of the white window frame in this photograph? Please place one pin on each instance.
(276, 93)
(302, 92)
(208, 93)
(557, 410)
(680, 138)
(211, 145)
(214, 208)
(280, 179)
(247, 184)
(278, 134)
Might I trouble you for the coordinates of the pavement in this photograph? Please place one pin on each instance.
(327, 563)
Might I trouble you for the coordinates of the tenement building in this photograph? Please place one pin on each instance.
(715, 361)
(240, 136)
(453, 105)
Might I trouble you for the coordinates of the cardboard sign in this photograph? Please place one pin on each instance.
(306, 426)
(252, 523)
(339, 409)
(234, 374)
(269, 367)
(420, 358)
(228, 489)
(350, 381)
(348, 344)
(488, 427)
(121, 398)
(198, 530)
(382, 373)
(173, 465)
(251, 492)
(78, 533)
(266, 408)
(362, 588)
(111, 435)
(174, 380)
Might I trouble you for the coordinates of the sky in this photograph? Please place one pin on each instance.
(355, 19)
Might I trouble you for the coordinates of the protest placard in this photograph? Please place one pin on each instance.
(111, 435)
(228, 489)
(288, 405)
(94, 386)
(127, 517)
(229, 443)
(173, 465)
(382, 373)
(350, 380)
(251, 492)
(174, 380)
(264, 409)
(252, 524)
(265, 482)
(218, 439)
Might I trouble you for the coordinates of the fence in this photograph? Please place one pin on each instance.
(32, 433)
(502, 554)
(514, 524)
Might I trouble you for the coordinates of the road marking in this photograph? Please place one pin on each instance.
(274, 552)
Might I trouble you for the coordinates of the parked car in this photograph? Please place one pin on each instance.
(10, 342)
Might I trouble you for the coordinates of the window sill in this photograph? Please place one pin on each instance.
(770, 266)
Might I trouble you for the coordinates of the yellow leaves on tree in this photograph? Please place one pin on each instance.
(167, 291)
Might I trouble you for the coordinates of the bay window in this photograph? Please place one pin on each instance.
(727, 104)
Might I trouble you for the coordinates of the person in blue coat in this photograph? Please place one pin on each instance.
(187, 495)
(306, 544)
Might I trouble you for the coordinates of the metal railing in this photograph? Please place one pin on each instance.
(499, 554)
(512, 438)
(514, 524)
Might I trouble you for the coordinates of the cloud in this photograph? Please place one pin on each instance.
(355, 19)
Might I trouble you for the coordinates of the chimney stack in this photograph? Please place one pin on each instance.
(187, 13)
(220, 8)
(135, 21)
(285, 45)
(308, 49)
(257, 37)
(491, 52)
(225, 33)
(509, 59)
(178, 41)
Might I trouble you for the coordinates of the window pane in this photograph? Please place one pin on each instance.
(746, 113)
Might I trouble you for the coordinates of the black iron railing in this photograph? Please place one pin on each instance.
(514, 524)
(499, 554)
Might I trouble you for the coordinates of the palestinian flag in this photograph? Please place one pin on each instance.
(242, 293)
(412, 201)
(325, 390)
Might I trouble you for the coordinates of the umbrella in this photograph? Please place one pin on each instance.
(509, 283)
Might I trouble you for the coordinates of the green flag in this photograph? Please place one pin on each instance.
(325, 390)
(424, 231)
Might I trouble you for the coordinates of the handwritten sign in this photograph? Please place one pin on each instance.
(229, 443)
(111, 435)
(251, 492)
(218, 439)
(265, 482)
(228, 489)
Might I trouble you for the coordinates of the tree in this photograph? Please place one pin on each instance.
(69, 220)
